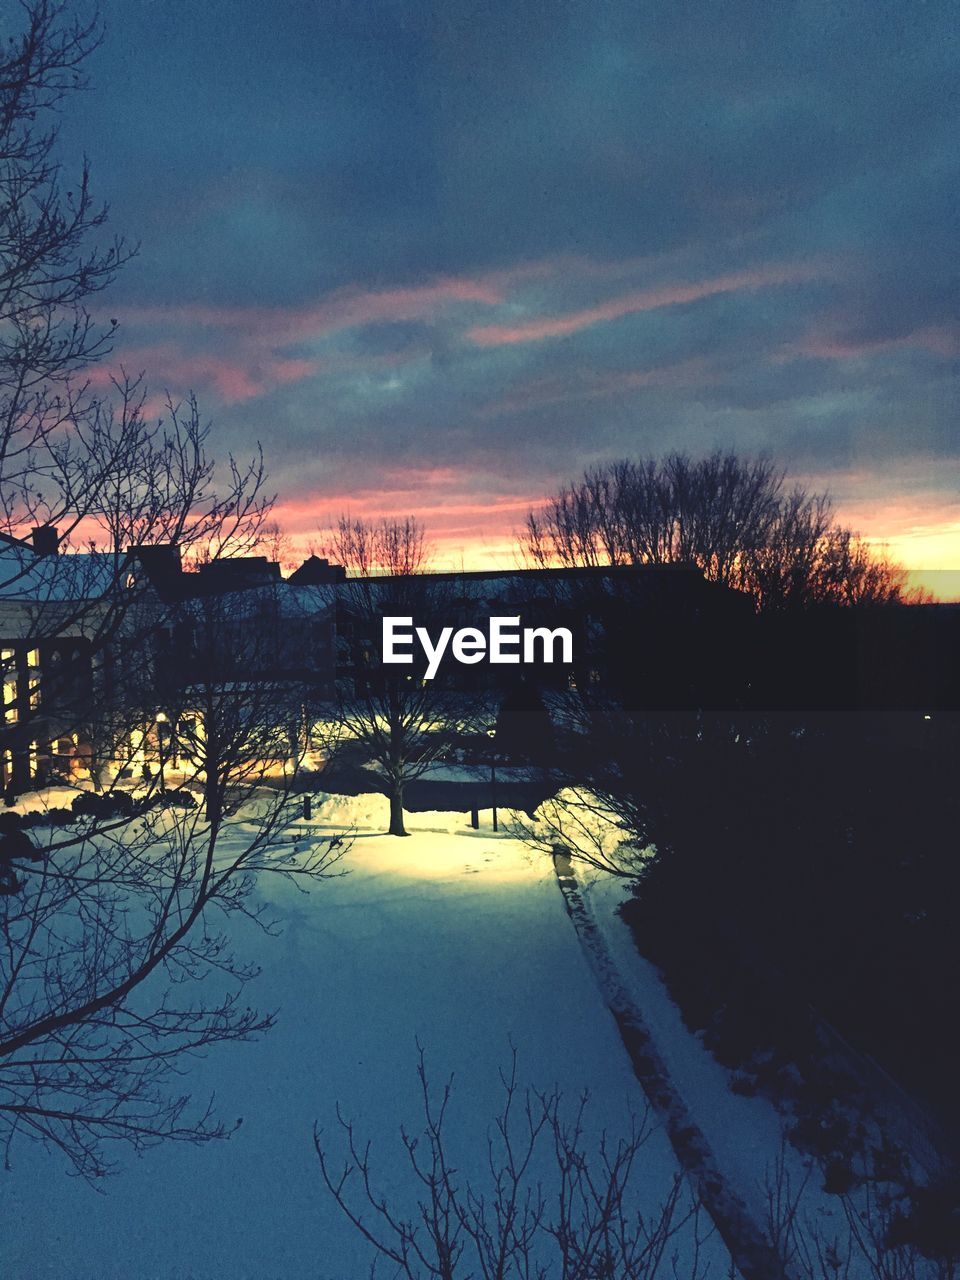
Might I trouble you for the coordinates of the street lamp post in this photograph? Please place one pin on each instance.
(161, 721)
(491, 734)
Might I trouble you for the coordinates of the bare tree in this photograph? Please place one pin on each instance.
(115, 960)
(733, 518)
(161, 485)
(600, 831)
(48, 271)
(871, 1238)
(114, 969)
(238, 693)
(660, 512)
(623, 780)
(111, 918)
(550, 1206)
(76, 465)
(161, 488)
(398, 719)
(546, 1206)
(275, 544)
(395, 547)
(113, 964)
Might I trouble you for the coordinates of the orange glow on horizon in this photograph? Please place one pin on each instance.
(472, 528)
(930, 552)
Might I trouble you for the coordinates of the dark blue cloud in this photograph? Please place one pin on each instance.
(560, 156)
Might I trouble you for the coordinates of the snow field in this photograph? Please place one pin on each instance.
(453, 937)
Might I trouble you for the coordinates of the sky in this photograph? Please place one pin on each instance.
(440, 257)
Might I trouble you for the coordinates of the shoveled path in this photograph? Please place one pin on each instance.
(749, 1248)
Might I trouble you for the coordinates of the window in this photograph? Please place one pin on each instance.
(11, 713)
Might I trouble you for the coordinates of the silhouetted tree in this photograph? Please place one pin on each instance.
(48, 273)
(112, 967)
(90, 464)
(548, 1205)
(733, 518)
(396, 547)
(114, 923)
(400, 720)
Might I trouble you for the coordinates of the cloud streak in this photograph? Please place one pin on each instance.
(670, 295)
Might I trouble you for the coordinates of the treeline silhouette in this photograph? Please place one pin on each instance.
(736, 519)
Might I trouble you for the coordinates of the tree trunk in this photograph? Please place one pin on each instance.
(396, 811)
(213, 804)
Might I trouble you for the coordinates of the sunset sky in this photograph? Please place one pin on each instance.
(439, 257)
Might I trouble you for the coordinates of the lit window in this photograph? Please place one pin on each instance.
(33, 658)
(35, 695)
(10, 712)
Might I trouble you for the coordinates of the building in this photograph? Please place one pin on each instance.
(317, 571)
(98, 651)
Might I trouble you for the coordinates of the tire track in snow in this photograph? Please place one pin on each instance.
(749, 1248)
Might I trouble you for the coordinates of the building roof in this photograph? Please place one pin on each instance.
(279, 599)
(25, 576)
(317, 570)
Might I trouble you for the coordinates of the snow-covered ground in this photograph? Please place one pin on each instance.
(61, 797)
(746, 1134)
(457, 938)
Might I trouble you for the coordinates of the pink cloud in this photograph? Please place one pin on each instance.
(254, 335)
(353, 306)
(345, 309)
(304, 514)
(252, 339)
(293, 370)
(233, 379)
(641, 300)
(940, 340)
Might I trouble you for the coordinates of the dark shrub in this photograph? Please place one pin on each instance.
(115, 804)
(176, 800)
(57, 817)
